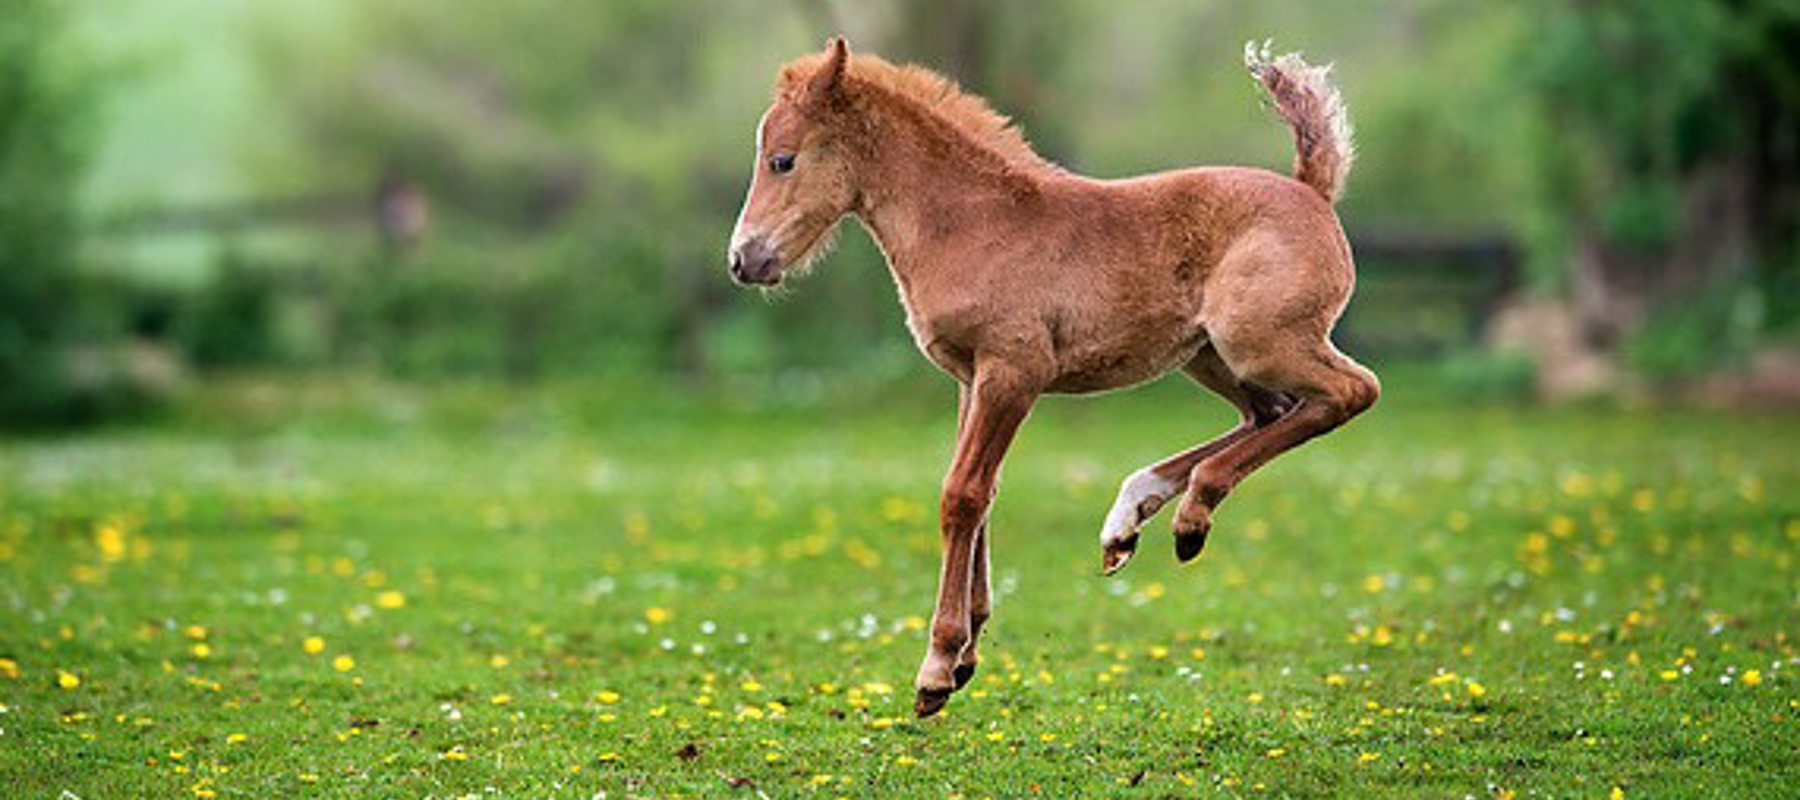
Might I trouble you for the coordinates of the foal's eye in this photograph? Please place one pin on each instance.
(781, 164)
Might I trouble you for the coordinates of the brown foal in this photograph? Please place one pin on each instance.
(1020, 279)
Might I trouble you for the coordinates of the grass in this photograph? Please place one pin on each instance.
(360, 591)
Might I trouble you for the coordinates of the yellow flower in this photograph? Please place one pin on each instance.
(1383, 636)
(111, 541)
(454, 754)
(1334, 679)
(1669, 674)
(1367, 757)
(391, 598)
(750, 686)
(1476, 690)
(996, 736)
(610, 756)
(906, 761)
(343, 663)
(312, 646)
(1752, 677)
(67, 680)
(657, 615)
(9, 668)
(500, 699)
(1618, 793)
(771, 756)
(498, 661)
(237, 738)
(607, 696)
(1158, 652)
(1254, 698)
(195, 632)
(201, 650)
(1277, 752)
(1373, 584)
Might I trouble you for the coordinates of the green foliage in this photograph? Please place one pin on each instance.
(43, 127)
(232, 322)
(1714, 330)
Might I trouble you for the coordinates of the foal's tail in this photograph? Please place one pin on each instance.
(1304, 96)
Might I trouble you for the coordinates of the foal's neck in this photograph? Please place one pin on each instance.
(923, 181)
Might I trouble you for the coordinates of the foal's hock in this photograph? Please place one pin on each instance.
(1020, 279)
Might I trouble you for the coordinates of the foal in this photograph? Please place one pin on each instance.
(1021, 279)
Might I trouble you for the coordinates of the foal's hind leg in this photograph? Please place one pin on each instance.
(1331, 389)
(1144, 492)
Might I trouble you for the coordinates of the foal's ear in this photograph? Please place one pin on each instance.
(831, 73)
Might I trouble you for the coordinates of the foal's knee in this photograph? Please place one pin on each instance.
(961, 506)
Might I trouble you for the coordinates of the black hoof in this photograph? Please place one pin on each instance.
(930, 701)
(1188, 544)
(962, 675)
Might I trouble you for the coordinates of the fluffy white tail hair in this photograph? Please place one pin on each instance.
(1304, 96)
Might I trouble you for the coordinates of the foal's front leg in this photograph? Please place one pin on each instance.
(997, 404)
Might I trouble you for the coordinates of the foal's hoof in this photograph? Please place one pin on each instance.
(1115, 554)
(930, 701)
(1189, 544)
(963, 674)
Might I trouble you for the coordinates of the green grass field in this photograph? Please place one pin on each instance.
(355, 591)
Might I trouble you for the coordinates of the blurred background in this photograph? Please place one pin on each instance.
(1554, 198)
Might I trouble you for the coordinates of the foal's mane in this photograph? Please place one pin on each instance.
(932, 95)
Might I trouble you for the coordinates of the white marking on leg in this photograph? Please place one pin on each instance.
(1140, 487)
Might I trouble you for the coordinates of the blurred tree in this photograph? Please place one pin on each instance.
(44, 111)
(1671, 147)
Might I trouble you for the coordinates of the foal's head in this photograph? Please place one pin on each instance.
(802, 183)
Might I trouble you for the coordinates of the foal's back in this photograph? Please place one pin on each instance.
(1123, 273)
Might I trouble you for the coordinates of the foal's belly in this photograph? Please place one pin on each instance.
(1099, 366)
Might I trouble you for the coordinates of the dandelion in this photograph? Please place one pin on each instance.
(1618, 793)
(750, 686)
(9, 668)
(610, 756)
(498, 661)
(1276, 752)
(390, 599)
(454, 754)
(1254, 697)
(656, 615)
(906, 761)
(237, 738)
(500, 699)
(1373, 584)
(1476, 690)
(201, 650)
(111, 541)
(996, 736)
(312, 646)
(67, 680)
(343, 663)
(1751, 677)
(1366, 758)
(607, 696)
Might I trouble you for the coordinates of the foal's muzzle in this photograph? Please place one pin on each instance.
(755, 262)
